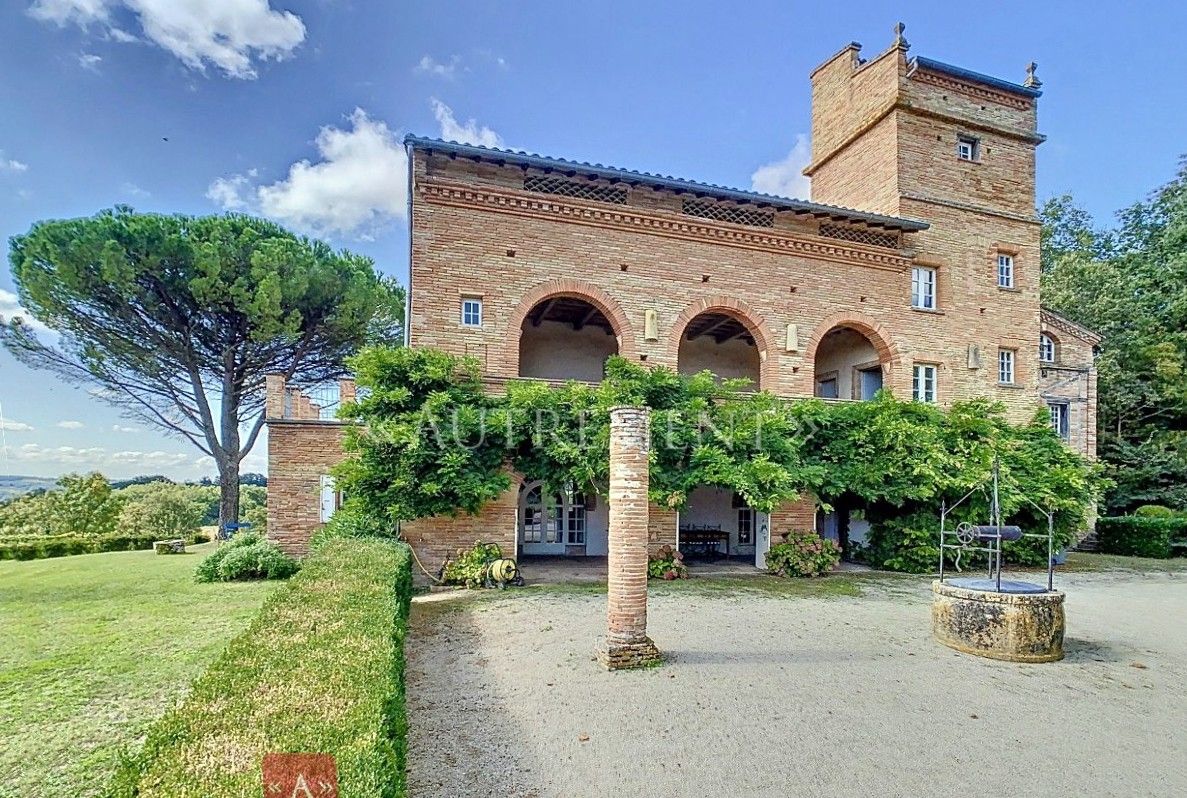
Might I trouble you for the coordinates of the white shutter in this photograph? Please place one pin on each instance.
(328, 498)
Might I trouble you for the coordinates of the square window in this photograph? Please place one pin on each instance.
(1005, 271)
(471, 312)
(1005, 366)
(968, 148)
(923, 383)
(923, 288)
(1059, 418)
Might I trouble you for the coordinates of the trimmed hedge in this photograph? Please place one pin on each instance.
(1140, 536)
(321, 669)
(37, 547)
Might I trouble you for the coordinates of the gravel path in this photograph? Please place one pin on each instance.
(774, 696)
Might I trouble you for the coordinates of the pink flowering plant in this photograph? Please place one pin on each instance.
(803, 553)
(667, 563)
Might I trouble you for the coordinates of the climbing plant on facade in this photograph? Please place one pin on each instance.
(432, 441)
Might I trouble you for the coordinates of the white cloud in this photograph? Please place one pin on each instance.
(70, 425)
(120, 428)
(468, 133)
(61, 455)
(437, 69)
(228, 192)
(785, 178)
(359, 183)
(10, 308)
(89, 61)
(155, 459)
(11, 164)
(231, 35)
(8, 425)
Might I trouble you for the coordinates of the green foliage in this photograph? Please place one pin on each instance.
(353, 521)
(36, 547)
(803, 553)
(1141, 536)
(177, 319)
(1154, 511)
(470, 565)
(667, 563)
(162, 510)
(246, 556)
(83, 505)
(1129, 284)
(320, 669)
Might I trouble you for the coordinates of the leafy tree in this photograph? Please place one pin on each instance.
(177, 319)
(162, 509)
(1130, 285)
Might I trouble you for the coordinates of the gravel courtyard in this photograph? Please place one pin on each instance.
(768, 694)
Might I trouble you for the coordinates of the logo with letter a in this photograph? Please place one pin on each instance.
(300, 776)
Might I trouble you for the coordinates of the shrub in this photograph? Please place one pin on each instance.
(321, 668)
(352, 520)
(469, 568)
(162, 510)
(1138, 536)
(803, 553)
(35, 547)
(1154, 511)
(667, 563)
(247, 556)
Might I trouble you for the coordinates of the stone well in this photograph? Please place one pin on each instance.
(1023, 623)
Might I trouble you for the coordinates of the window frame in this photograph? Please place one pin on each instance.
(920, 300)
(1004, 357)
(745, 526)
(1005, 260)
(1061, 413)
(476, 301)
(974, 148)
(1048, 345)
(919, 387)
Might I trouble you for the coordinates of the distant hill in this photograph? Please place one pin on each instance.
(13, 486)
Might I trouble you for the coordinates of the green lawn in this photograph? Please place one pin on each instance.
(93, 648)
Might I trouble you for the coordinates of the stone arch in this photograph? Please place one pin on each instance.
(750, 318)
(576, 289)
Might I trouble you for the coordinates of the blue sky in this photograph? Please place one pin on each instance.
(294, 109)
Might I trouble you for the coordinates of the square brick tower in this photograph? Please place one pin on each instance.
(920, 139)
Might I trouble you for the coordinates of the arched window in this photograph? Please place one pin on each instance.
(1046, 348)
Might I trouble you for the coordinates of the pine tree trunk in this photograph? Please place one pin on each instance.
(228, 494)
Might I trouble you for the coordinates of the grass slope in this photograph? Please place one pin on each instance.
(95, 647)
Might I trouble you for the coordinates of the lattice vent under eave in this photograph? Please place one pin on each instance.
(578, 189)
(858, 236)
(724, 212)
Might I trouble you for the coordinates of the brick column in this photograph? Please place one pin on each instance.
(274, 396)
(627, 644)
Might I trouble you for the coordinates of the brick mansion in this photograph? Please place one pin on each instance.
(914, 267)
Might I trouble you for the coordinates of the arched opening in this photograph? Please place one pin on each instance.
(716, 523)
(721, 343)
(847, 365)
(562, 521)
(566, 338)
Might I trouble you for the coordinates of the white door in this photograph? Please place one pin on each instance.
(762, 539)
(541, 519)
(329, 498)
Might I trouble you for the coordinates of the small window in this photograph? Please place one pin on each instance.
(923, 288)
(471, 312)
(923, 385)
(1046, 349)
(745, 526)
(1059, 418)
(1005, 271)
(1005, 366)
(968, 148)
(827, 388)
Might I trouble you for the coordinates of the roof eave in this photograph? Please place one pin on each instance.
(675, 184)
